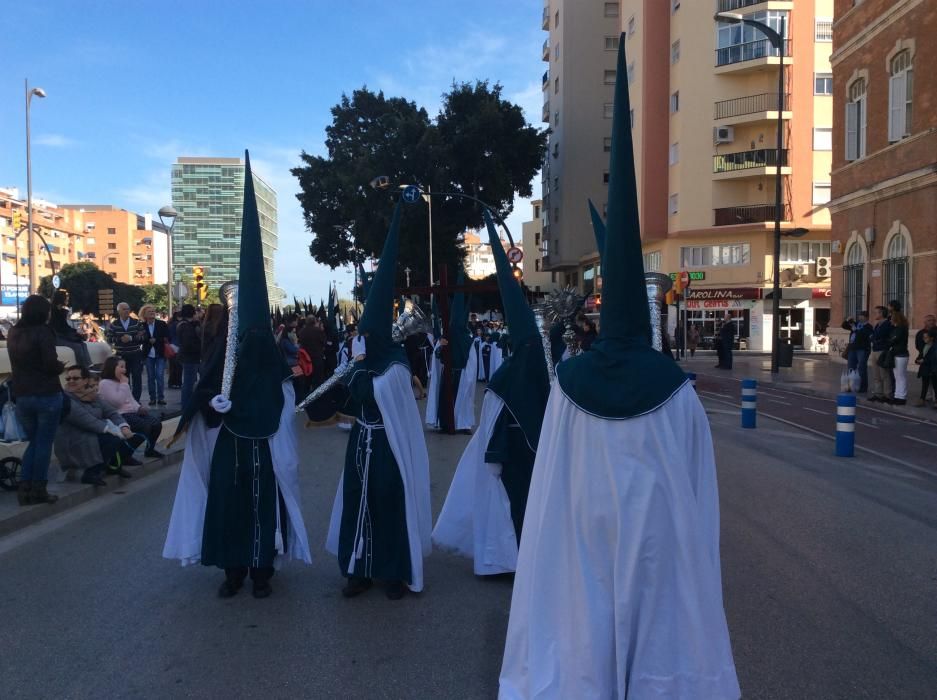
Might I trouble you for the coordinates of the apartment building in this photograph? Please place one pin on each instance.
(208, 193)
(59, 243)
(130, 247)
(479, 261)
(578, 86)
(884, 204)
(706, 110)
(536, 278)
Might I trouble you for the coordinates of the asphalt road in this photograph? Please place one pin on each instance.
(830, 572)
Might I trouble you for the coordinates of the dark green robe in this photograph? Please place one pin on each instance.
(509, 448)
(377, 525)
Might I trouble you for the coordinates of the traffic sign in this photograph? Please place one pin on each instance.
(56, 281)
(411, 194)
(181, 290)
(515, 254)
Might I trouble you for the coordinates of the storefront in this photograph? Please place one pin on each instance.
(805, 316)
(707, 308)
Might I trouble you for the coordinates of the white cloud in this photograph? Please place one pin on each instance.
(53, 141)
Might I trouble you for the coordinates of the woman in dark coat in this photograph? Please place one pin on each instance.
(65, 334)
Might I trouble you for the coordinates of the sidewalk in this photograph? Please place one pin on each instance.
(814, 375)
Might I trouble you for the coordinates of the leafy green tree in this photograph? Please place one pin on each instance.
(155, 294)
(479, 145)
(83, 280)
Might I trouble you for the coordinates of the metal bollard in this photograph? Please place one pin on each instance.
(846, 425)
(692, 377)
(749, 398)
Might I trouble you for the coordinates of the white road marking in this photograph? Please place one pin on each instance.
(814, 410)
(926, 442)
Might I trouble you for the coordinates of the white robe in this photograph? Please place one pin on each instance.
(465, 394)
(618, 591)
(494, 360)
(184, 539)
(394, 398)
(479, 360)
(476, 518)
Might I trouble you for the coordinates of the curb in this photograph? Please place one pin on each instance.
(29, 515)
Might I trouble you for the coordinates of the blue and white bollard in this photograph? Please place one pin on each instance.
(749, 398)
(692, 377)
(846, 425)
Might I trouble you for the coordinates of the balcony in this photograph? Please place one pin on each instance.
(545, 81)
(545, 22)
(750, 214)
(545, 117)
(733, 5)
(750, 56)
(746, 164)
(751, 108)
(545, 53)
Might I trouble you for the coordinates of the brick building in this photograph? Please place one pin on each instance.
(884, 179)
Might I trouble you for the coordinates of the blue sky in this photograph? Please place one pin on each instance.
(132, 84)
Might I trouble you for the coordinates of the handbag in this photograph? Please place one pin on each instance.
(169, 350)
(886, 360)
(12, 428)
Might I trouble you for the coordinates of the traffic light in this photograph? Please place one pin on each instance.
(17, 219)
(198, 274)
(518, 273)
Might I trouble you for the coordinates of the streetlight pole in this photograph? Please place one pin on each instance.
(776, 38)
(33, 270)
(168, 212)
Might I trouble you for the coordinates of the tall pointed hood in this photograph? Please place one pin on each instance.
(378, 317)
(460, 340)
(256, 392)
(598, 228)
(521, 381)
(622, 356)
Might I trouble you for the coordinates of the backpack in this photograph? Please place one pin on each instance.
(305, 362)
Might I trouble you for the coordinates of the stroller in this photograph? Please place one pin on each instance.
(12, 434)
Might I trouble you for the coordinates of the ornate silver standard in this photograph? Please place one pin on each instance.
(545, 338)
(229, 293)
(411, 320)
(563, 305)
(657, 286)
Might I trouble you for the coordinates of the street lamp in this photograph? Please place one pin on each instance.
(777, 41)
(168, 212)
(33, 271)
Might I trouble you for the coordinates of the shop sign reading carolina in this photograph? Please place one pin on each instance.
(723, 294)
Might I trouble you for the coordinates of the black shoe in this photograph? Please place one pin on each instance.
(120, 471)
(152, 403)
(396, 590)
(153, 453)
(874, 399)
(130, 462)
(262, 589)
(93, 480)
(898, 402)
(229, 588)
(161, 402)
(356, 586)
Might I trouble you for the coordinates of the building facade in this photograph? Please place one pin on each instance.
(130, 247)
(536, 278)
(208, 194)
(705, 107)
(578, 86)
(479, 262)
(884, 204)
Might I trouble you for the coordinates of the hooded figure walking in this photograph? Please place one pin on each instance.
(381, 520)
(237, 503)
(618, 591)
(483, 514)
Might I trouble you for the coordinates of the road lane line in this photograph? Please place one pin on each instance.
(815, 410)
(926, 442)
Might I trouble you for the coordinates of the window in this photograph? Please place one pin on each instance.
(611, 43)
(900, 87)
(607, 110)
(675, 52)
(112, 232)
(556, 19)
(607, 144)
(652, 261)
(714, 255)
(895, 270)
(631, 25)
(674, 6)
(609, 77)
(556, 183)
(556, 52)
(112, 261)
(804, 252)
(556, 150)
(556, 86)
(611, 9)
(675, 102)
(856, 120)
(537, 216)
(823, 29)
(741, 42)
(605, 178)
(674, 153)
(630, 73)
(556, 119)
(537, 265)
(556, 215)
(821, 192)
(822, 83)
(673, 203)
(112, 246)
(90, 241)
(854, 281)
(823, 139)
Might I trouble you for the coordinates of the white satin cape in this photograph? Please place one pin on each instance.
(184, 539)
(618, 591)
(476, 518)
(465, 395)
(394, 397)
(494, 360)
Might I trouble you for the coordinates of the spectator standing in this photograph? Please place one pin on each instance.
(126, 337)
(190, 350)
(859, 347)
(38, 393)
(312, 339)
(927, 365)
(882, 384)
(930, 322)
(155, 337)
(65, 333)
(214, 330)
(693, 340)
(92, 433)
(175, 367)
(896, 357)
(725, 341)
(114, 390)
